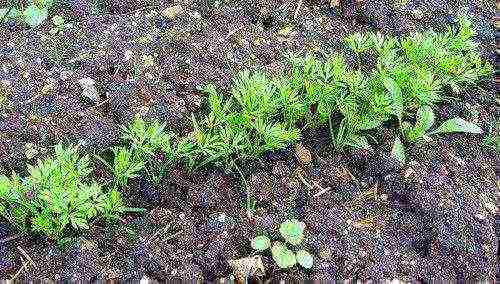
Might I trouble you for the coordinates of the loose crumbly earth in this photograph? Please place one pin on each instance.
(434, 219)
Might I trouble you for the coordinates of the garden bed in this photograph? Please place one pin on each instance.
(367, 216)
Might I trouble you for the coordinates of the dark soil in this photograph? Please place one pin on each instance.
(432, 220)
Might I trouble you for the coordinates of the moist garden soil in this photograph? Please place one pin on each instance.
(367, 216)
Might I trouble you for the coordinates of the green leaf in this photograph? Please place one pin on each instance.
(58, 20)
(457, 124)
(79, 223)
(425, 118)
(283, 257)
(292, 231)
(43, 3)
(397, 105)
(359, 142)
(14, 13)
(305, 259)
(398, 151)
(261, 243)
(34, 16)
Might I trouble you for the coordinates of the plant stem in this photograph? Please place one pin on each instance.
(250, 208)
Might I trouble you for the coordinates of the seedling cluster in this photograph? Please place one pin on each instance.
(292, 232)
(57, 195)
(410, 76)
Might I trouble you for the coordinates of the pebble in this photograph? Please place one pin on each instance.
(172, 12)
(417, 13)
(128, 55)
(64, 75)
(89, 89)
(303, 155)
(196, 15)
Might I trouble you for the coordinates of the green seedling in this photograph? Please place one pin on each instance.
(149, 148)
(60, 25)
(57, 196)
(33, 14)
(492, 139)
(425, 120)
(125, 166)
(292, 232)
(359, 42)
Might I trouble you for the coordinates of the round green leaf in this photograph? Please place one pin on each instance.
(58, 20)
(283, 257)
(261, 243)
(292, 231)
(305, 259)
(34, 16)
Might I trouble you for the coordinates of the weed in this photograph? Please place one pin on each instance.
(60, 25)
(425, 121)
(34, 14)
(292, 232)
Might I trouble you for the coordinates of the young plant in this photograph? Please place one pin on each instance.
(57, 196)
(359, 42)
(150, 148)
(425, 120)
(125, 166)
(60, 25)
(243, 128)
(492, 139)
(292, 232)
(34, 14)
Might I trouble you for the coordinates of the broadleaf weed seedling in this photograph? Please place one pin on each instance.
(292, 232)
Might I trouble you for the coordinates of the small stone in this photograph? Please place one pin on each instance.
(64, 75)
(128, 55)
(303, 154)
(196, 15)
(148, 60)
(286, 31)
(89, 89)
(172, 12)
(480, 217)
(144, 280)
(30, 150)
(417, 13)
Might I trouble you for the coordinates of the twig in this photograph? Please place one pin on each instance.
(231, 33)
(19, 271)
(250, 206)
(305, 182)
(164, 229)
(100, 104)
(297, 10)
(322, 189)
(23, 252)
(8, 239)
(174, 235)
